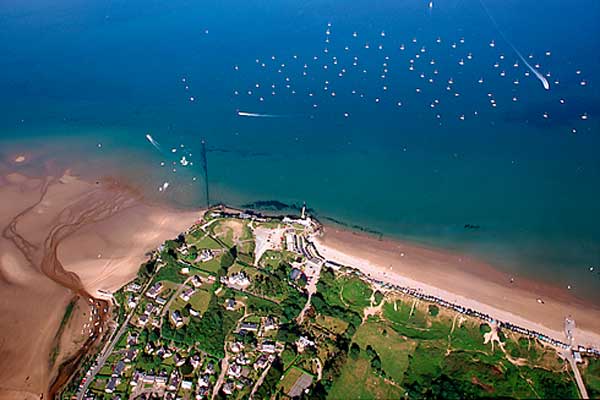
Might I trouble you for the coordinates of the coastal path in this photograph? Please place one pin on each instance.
(582, 390)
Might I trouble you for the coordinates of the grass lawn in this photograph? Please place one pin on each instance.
(356, 293)
(203, 242)
(290, 378)
(359, 381)
(199, 301)
(211, 266)
(391, 347)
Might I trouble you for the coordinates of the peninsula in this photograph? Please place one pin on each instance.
(244, 305)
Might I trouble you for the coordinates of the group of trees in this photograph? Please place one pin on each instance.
(208, 332)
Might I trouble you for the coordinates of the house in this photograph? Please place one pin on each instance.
(195, 361)
(143, 320)
(204, 381)
(236, 347)
(161, 301)
(261, 362)
(228, 388)
(185, 296)
(249, 326)
(196, 281)
(160, 381)
(184, 271)
(230, 304)
(173, 380)
(238, 280)
(194, 313)
(295, 273)
(577, 357)
(205, 255)
(186, 385)
(111, 385)
(267, 347)
(176, 318)
(133, 287)
(131, 302)
(234, 371)
(149, 308)
(130, 355)
(154, 290)
(269, 324)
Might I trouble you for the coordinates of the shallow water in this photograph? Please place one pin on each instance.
(75, 75)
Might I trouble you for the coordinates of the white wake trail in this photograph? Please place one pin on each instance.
(256, 115)
(537, 73)
(153, 142)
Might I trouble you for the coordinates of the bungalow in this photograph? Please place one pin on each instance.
(186, 385)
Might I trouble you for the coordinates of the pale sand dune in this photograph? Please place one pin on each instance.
(83, 220)
(465, 281)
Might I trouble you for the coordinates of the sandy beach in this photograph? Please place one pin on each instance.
(466, 281)
(62, 238)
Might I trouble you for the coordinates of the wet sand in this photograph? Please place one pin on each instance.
(54, 227)
(466, 281)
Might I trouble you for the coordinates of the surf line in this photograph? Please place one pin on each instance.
(537, 73)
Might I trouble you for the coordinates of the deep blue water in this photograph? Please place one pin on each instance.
(74, 74)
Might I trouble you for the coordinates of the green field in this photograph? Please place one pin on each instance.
(359, 381)
(591, 377)
(391, 347)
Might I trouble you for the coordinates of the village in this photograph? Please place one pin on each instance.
(244, 306)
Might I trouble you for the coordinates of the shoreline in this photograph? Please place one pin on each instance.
(466, 281)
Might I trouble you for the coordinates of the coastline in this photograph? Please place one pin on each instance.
(466, 281)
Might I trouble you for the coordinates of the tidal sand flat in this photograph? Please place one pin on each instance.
(63, 239)
(466, 281)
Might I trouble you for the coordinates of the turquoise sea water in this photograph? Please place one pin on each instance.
(77, 74)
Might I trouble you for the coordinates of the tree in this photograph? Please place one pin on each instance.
(354, 351)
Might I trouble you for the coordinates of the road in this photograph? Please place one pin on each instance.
(108, 349)
(102, 359)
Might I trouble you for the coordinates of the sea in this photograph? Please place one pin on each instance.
(408, 119)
